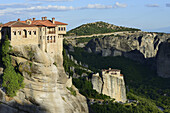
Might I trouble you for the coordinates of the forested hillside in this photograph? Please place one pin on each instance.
(96, 28)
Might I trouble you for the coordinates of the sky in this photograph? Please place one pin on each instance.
(148, 15)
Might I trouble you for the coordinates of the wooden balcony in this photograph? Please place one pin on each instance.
(49, 41)
(24, 36)
(51, 32)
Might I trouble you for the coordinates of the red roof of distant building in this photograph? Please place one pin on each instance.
(110, 70)
(121, 74)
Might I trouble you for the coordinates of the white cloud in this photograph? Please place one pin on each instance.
(98, 6)
(152, 5)
(52, 8)
(18, 5)
(120, 5)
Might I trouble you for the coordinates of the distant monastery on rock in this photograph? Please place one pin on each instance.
(47, 34)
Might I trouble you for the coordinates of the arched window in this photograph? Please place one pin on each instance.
(59, 29)
(29, 32)
(25, 33)
(54, 39)
(34, 32)
(14, 32)
(51, 39)
(19, 32)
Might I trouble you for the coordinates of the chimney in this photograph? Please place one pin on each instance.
(33, 19)
(53, 20)
(28, 21)
(42, 18)
(19, 19)
(45, 18)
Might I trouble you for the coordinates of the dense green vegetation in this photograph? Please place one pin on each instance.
(139, 78)
(97, 28)
(86, 39)
(84, 86)
(12, 80)
(67, 63)
(143, 106)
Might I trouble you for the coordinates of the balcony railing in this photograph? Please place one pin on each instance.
(49, 41)
(24, 36)
(51, 32)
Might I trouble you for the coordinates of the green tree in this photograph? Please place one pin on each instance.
(12, 80)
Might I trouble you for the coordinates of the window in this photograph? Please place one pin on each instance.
(54, 38)
(59, 29)
(29, 32)
(64, 28)
(34, 32)
(25, 34)
(14, 32)
(51, 37)
(19, 32)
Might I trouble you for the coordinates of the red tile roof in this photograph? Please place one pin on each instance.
(17, 24)
(47, 23)
(34, 23)
(1, 25)
(60, 23)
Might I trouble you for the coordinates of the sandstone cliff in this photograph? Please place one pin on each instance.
(136, 46)
(151, 48)
(45, 85)
(112, 86)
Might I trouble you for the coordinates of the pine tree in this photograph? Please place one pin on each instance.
(12, 81)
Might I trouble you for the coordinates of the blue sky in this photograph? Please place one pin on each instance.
(147, 15)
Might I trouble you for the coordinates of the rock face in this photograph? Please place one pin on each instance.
(163, 60)
(110, 85)
(46, 85)
(136, 46)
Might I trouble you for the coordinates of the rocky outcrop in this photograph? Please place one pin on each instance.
(163, 60)
(137, 46)
(46, 85)
(109, 85)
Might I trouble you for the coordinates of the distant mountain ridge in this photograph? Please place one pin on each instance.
(164, 29)
(96, 28)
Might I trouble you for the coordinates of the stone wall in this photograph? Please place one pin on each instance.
(21, 39)
(61, 29)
